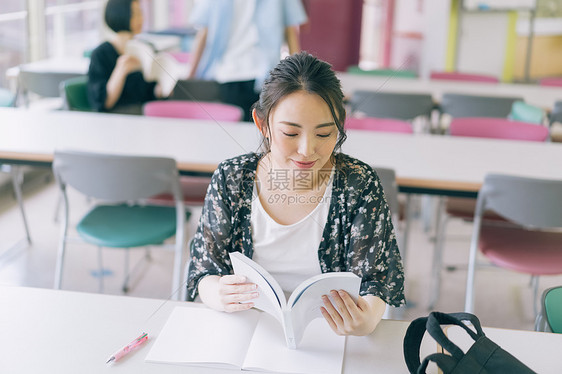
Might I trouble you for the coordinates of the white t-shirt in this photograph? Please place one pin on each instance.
(289, 252)
(242, 60)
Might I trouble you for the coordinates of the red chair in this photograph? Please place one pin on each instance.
(498, 128)
(193, 110)
(553, 82)
(463, 208)
(378, 124)
(456, 76)
(193, 188)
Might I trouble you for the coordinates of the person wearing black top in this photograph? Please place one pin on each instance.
(115, 80)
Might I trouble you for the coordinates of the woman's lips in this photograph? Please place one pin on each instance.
(304, 165)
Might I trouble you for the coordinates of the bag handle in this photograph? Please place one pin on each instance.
(445, 362)
(432, 323)
(436, 319)
(412, 343)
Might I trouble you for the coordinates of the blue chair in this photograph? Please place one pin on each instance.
(119, 220)
(521, 111)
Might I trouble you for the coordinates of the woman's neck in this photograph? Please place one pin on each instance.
(119, 41)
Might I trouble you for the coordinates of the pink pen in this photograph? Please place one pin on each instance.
(128, 348)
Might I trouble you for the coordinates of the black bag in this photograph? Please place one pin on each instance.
(484, 356)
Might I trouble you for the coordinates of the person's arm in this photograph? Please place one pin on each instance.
(199, 43)
(124, 66)
(292, 39)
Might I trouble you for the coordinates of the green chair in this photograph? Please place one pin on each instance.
(521, 111)
(118, 220)
(550, 317)
(408, 74)
(75, 94)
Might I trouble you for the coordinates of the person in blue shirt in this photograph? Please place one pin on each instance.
(240, 41)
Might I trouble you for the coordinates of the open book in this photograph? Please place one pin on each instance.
(159, 67)
(251, 340)
(304, 303)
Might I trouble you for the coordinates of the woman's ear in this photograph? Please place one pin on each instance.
(259, 123)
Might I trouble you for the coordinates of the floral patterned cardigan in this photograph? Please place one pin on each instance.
(358, 235)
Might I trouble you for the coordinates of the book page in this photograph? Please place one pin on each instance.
(306, 300)
(204, 337)
(321, 350)
(145, 54)
(271, 298)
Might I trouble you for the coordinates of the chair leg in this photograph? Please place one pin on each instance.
(100, 271)
(535, 286)
(17, 180)
(125, 286)
(62, 244)
(437, 262)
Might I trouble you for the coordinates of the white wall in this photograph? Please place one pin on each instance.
(436, 30)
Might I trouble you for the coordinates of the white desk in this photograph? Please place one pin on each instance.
(543, 97)
(48, 331)
(423, 163)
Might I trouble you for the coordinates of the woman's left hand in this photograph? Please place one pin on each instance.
(348, 318)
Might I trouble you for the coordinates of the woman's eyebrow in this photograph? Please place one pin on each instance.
(328, 124)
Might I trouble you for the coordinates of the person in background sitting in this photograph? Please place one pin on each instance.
(115, 80)
(299, 207)
(240, 41)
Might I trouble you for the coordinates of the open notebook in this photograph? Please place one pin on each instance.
(249, 340)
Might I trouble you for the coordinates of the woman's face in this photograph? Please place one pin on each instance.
(136, 18)
(303, 133)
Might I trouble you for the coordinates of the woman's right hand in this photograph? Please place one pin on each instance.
(128, 64)
(229, 293)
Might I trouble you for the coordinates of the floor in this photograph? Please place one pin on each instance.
(503, 298)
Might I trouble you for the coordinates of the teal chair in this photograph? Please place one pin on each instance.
(521, 111)
(118, 220)
(408, 74)
(75, 94)
(550, 317)
(7, 99)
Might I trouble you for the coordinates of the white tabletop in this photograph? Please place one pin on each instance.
(543, 97)
(53, 331)
(420, 161)
(48, 331)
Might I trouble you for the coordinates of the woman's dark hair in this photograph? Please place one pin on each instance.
(302, 72)
(118, 15)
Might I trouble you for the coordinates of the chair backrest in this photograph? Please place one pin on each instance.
(498, 128)
(459, 105)
(388, 180)
(7, 98)
(529, 202)
(378, 124)
(116, 178)
(75, 94)
(553, 82)
(402, 106)
(193, 110)
(521, 111)
(196, 90)
(46, 84)
(457, 76)
(394, 73)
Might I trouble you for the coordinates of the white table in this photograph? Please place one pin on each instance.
(543, 97)
(423, 163)
(49, 331)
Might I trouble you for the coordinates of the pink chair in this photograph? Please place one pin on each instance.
(193, 110)
(183, 57)
(378, 124)
(194, 188)
(553, 82)
(456, 76)
(463, 208)
(498, 128)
